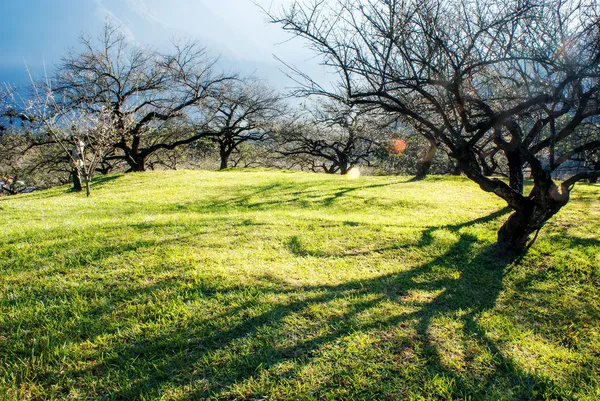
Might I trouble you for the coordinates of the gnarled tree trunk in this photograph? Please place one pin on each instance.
(344, 167)
(134, 158)
(530, 213)
(515, 233)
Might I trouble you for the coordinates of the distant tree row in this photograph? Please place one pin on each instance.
(113, 106)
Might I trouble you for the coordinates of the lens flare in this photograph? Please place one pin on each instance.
(397, 146)
(353, 173)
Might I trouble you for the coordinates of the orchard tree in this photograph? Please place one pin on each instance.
(84, 137)
(519, 76)
(331, 137)
(243, 111)
(27, 155)
(139, 88)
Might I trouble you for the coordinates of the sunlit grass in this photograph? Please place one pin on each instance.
(281, 285)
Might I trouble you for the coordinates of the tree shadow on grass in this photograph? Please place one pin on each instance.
(212, 357)
(101, 181)
(329, 201)
(278, 195)
(298, 248)
(210, 354)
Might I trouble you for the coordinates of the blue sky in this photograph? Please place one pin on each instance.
(38, 32)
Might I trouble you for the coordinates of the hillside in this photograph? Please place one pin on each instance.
(188, 285)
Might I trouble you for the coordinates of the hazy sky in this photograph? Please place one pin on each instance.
(38, 32)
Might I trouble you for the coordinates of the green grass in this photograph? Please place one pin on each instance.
(276, 285)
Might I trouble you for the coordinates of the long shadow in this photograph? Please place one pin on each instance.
(93, 253)
(295, 245)
(475, 291)
(345, 191)
(280, 194)
(101, 181)
(207, 349)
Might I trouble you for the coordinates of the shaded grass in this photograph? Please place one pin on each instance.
(271, 285)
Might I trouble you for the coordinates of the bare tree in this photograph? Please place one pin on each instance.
(85, 137)
(23, 151)
(520, 76)
(243, 111)
(139, 88)
(331, 137)
(11, 161)
(4, 109)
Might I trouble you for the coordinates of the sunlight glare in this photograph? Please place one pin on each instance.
(353, 173)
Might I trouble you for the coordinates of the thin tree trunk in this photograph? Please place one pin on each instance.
(487, 170)
(596, 168)
(87, 186)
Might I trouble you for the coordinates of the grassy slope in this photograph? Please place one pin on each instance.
(244, 285)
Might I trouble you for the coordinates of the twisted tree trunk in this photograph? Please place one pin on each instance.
(515, 233)
(530, 213)
(137, 164)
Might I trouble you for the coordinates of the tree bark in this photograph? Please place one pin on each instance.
(224, 162)
(530, 213)
(137, 164)
(76, 176)
(224, 153)
(343, 168)
(132, 155)
(457, 170)
(593, 180)
(331, 169)
(515, 232)
(487, 171)
(424, 165)
(87, 187)
(515, 171)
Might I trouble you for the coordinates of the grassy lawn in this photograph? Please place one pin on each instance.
(275, 285)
